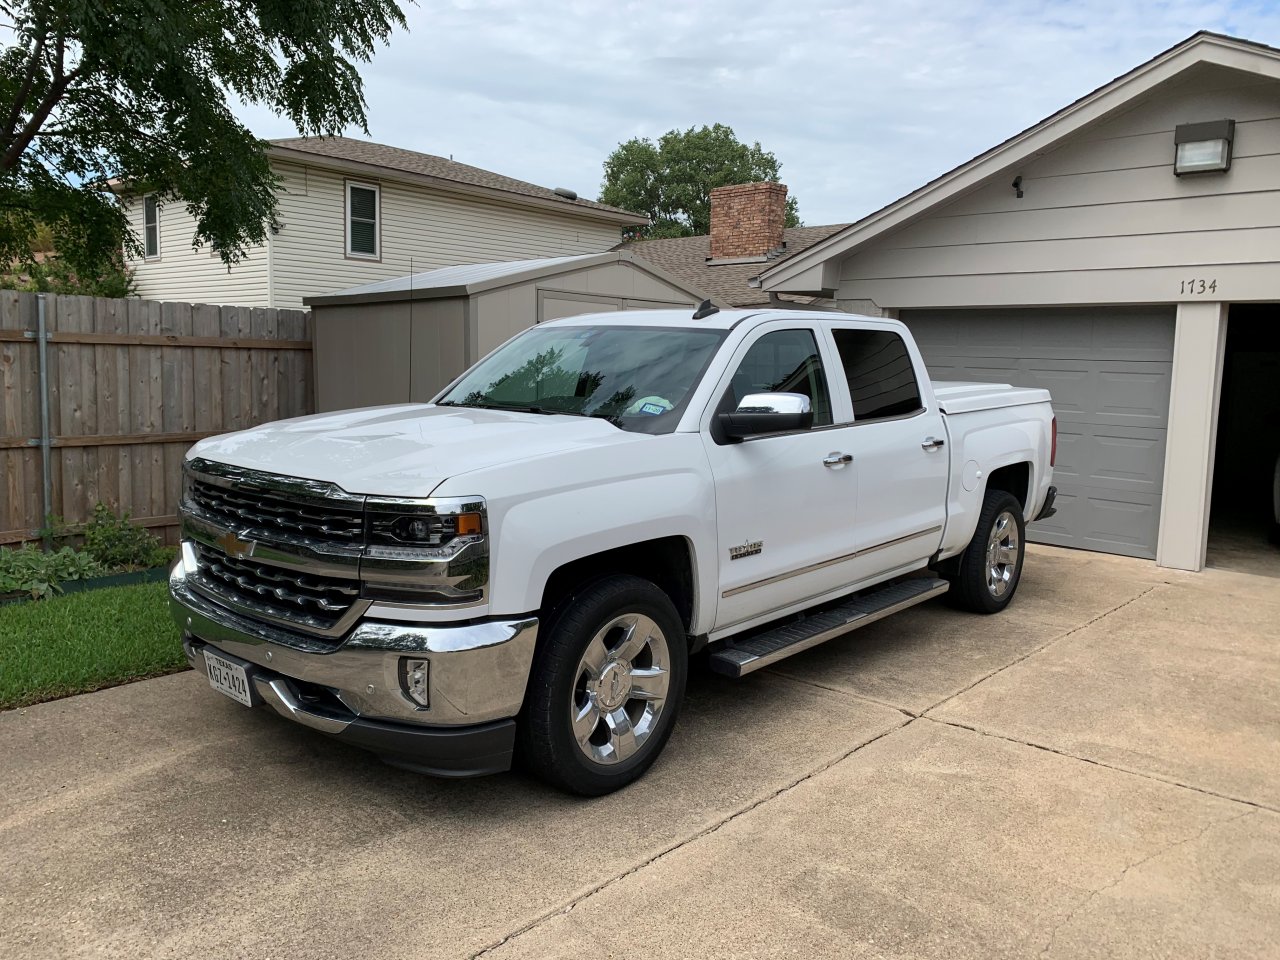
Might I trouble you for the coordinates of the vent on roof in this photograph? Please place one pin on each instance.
(565, 192)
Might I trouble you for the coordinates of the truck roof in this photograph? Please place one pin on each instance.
(683, 318)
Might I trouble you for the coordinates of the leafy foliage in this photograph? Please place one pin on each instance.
(116, 543)
(30, 570)
(137, 91)
(53, 275)
(672, 180)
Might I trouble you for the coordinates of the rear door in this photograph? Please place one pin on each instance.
(898, 443)
(785, 503)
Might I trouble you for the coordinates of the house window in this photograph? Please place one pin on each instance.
(363, 200)
(151, 226)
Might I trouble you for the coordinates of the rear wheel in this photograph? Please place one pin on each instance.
(988, 571)
(606, 686)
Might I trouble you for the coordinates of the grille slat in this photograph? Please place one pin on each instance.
(265, 515)
(309, 600)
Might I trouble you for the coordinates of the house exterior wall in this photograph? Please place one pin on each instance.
(420, 229)
(194, 276)
(1102, 219)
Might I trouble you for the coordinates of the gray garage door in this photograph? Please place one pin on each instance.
(1108, 370)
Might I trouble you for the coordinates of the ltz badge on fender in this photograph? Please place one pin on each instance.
(746, 550)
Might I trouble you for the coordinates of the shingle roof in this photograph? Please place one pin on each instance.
(686, 258)
(439, 168)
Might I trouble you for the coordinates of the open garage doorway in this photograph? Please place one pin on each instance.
(1242, 518)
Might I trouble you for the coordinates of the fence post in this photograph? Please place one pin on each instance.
(42, 347)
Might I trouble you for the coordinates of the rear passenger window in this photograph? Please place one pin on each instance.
(882, 381)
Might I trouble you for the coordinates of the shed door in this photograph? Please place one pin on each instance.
(1108, 369)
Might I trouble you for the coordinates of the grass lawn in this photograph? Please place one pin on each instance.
(85, 641)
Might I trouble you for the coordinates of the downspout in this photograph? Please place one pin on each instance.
(271, 280)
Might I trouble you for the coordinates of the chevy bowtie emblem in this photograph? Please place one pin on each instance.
(233, 546)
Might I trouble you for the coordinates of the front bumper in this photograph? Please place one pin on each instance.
(352, 689)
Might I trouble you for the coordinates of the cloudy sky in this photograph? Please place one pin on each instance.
(861, 101)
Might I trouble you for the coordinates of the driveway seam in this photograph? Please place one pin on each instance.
(1044, 646)
(787, 787)
(1099, 763)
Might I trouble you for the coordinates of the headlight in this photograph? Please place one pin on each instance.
(432, 551)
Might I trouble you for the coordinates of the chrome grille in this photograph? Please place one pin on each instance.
(274, 593)
(258, 514)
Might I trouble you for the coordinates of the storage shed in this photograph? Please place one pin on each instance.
(402, 340)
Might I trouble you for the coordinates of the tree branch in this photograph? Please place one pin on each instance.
(61, 81)
(24, 91)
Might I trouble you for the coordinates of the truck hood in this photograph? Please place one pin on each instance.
(405, 450)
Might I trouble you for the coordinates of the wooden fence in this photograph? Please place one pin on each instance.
(131, 384)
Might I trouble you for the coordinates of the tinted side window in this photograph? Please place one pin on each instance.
(881, 379)
(786, 361)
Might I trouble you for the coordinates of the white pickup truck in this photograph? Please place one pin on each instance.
(523, 568)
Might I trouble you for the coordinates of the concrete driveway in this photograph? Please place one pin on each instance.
(1095, 772)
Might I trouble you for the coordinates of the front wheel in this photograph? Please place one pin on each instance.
(607, 683)
(988, 571)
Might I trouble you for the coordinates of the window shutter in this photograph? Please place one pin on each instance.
(362, 216)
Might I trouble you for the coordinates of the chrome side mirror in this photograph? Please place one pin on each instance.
(762, 413)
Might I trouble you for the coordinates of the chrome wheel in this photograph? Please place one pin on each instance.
(620, 688)
(1002, 554)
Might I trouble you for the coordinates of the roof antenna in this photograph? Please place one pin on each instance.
(705, 309)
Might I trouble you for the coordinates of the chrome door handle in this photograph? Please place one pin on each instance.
(932, 443)
(837, 459)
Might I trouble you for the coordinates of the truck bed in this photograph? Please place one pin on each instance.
(955, 396)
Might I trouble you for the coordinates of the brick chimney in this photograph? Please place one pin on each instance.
(747, 219)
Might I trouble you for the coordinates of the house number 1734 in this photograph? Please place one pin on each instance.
(1199, 286)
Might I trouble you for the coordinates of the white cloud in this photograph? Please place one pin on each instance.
(861, 101)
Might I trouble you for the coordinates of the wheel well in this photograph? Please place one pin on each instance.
(1014, 479)
(666, 562)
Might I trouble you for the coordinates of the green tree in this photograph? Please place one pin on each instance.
(672, 180)
(140, 92)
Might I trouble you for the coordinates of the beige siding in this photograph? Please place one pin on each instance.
(418, 226)
(499, 315)
(194, 276)
(1103, 219)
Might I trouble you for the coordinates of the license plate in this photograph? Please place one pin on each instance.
(227, 677)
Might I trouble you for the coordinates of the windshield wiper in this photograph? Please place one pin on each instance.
(497, 405)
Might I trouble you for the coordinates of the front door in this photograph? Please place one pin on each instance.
(785, 503)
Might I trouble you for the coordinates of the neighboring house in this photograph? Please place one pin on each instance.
(1124, 253)
(352, 212)
(747, 237)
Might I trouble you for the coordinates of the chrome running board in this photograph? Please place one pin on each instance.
(739, 658)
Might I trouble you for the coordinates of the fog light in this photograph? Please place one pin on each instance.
(415, 678)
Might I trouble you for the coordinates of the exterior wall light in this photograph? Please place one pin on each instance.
(1203, 147)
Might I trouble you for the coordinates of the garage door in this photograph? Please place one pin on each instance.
(1109, 372)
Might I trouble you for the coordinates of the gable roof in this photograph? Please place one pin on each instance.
(380, 160)
(727, 283)
(1203, 47)
(466, 279)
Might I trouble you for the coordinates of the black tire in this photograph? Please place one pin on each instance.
(545, 741)
(971, 581)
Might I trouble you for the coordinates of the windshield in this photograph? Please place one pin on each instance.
(637, 378)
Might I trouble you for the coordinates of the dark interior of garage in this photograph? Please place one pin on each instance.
(1242, 529)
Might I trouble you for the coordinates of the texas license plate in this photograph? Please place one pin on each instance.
(228, 677)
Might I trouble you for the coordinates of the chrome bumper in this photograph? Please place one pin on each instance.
(478, 671)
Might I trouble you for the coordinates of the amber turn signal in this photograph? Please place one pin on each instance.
(469, 524)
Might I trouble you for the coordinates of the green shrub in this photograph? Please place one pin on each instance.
(30, 570)
(116, 543)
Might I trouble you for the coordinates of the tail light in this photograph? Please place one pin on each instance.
(1053, 444)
